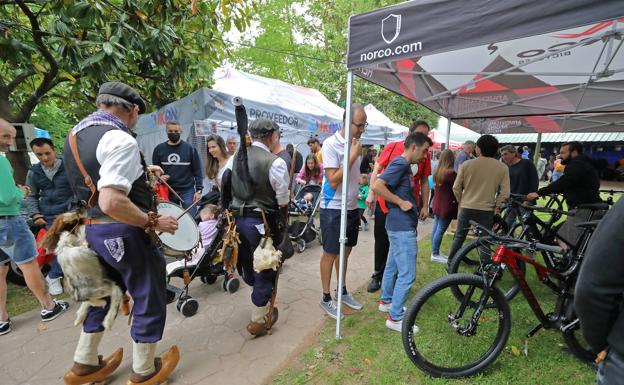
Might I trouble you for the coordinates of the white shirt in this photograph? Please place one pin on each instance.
(120, 161)
(333, 154)
(278, 176)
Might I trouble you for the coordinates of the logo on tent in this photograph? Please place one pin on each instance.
(390, 28)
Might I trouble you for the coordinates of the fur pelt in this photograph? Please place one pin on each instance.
(85, 278)
(266, 256)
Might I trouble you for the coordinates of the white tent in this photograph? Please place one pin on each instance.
(381, 129)
(256, 88)
(300, 112)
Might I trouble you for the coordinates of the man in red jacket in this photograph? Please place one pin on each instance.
(421, 191)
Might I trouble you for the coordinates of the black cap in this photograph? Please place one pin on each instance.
(123, 91)
(262, 127)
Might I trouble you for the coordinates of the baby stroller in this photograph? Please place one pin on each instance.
(208, 267)
(304, 231)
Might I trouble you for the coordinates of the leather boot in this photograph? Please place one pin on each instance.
(258, 329)
(164, 365)
(85, 374)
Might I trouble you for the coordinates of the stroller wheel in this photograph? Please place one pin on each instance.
(209, 279)
(301, 245)
(187, 306)
(232, 285)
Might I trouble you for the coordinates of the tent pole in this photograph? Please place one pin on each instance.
(538, 149)
(448, 133)
(343, 206)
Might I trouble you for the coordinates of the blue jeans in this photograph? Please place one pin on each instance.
(55, 267)
(439, 227)
(187, 199)
(400, 271)
(611, 369)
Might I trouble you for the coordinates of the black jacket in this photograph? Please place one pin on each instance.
(579, 184)
(599, 296)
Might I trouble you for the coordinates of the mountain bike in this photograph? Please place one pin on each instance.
(461, 335)
(469, 258)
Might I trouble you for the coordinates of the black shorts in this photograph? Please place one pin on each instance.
(330, 229)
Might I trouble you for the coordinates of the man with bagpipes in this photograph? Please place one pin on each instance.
(257, 193)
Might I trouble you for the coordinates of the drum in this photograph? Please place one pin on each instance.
(185, 239)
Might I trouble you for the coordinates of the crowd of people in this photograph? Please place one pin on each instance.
(104, 168)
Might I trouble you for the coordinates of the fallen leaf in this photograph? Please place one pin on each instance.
(141, 15)
(515, 351)
(367, 361)
(41, 327)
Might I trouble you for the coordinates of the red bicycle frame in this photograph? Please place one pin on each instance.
(510, 258)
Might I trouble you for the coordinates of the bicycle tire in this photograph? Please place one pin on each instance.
(501, 316)
(465, 262)
(574, 339)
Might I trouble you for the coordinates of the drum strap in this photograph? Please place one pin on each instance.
(87, 179)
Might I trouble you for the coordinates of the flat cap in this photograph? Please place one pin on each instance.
(123, 91)
(262, 127)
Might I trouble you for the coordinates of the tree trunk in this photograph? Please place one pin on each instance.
(21, 164)
(20, 161)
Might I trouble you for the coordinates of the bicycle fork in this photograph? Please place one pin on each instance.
(471, 328)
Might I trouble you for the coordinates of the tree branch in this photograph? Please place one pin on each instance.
(19, 79)
(48, 80)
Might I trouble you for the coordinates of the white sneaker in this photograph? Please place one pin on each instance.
(398, 325)
(384, 307)
(54, 286)
(394, 325)
(439, 258)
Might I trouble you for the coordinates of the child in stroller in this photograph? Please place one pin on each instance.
(206, 261)
(305, 204)
(207, 230)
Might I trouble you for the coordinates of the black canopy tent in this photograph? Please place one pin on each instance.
(496, 66)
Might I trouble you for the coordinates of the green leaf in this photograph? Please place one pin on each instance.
(108, 48)
(39, 68)
(92, 60)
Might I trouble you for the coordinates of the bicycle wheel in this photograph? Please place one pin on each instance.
(473, 257)
(456, 338)
(573, 338)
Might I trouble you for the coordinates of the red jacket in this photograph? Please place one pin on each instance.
(388, 154)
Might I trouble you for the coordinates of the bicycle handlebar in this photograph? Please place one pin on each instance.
(611, 192)
(547, 210)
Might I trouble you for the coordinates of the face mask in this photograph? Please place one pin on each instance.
(173, 136)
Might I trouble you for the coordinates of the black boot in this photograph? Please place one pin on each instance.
(374, 285)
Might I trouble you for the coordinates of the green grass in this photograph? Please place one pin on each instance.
(371, 354)
(20, 300)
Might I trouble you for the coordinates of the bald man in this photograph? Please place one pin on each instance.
(17, 242)
(331, 202)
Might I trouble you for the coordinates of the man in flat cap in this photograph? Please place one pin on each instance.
(108, 175)
(270, 180)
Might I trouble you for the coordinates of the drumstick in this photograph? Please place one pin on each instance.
(170, 188)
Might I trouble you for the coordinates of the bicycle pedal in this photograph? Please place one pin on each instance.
(535, 329)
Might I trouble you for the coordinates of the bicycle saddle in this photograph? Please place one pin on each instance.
(594, 206)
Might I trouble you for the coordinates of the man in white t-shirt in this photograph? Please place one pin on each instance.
(331, 201)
